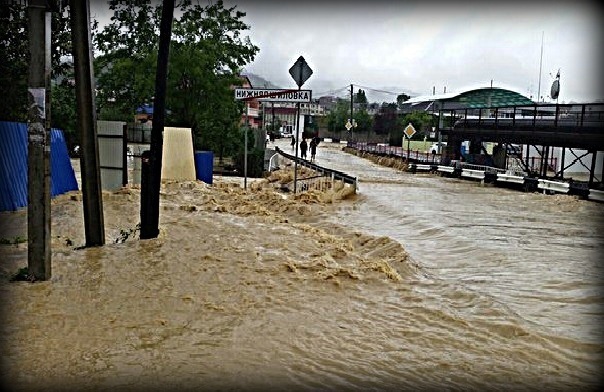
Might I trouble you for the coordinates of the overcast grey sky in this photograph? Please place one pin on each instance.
(413, 46)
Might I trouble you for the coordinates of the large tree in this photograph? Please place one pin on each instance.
(207, 53)
(402, 98)
(386, 121)
(14, 63)
(361, 99)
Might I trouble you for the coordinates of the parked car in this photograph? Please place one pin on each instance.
(437, 148)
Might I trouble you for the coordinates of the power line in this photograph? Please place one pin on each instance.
(333, 92)
(379, 91)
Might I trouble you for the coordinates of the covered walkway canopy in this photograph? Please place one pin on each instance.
(487, 97)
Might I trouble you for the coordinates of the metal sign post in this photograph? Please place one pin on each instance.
(300, 72)
(409, 132)
(270, 95)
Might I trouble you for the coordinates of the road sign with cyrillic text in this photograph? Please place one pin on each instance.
(273, 95)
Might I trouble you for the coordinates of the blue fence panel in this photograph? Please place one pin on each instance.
(13, 165)
(62, 175)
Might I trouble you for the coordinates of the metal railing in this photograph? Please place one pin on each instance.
(323, 171)
(587, 116)
(382, 149)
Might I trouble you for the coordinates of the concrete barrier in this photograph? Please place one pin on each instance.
(596, 195)
(501, 177)
(178, 162)
(471, 173)
(553, 186)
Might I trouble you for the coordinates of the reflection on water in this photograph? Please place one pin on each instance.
(416, 282)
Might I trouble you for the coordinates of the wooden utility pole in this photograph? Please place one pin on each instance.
(38, 142)
(94, 224)
(150, 187)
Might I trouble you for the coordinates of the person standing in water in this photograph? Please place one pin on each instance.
(303, 148)
(313, 149)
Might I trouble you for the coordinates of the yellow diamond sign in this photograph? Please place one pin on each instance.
(409, 131)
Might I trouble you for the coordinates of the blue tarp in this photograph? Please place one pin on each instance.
(13, 165)
(145, 108)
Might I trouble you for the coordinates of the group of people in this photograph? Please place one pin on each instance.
(304, 146)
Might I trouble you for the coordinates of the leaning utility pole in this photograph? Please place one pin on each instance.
(94, 224)
(150, 186)
(38, 142)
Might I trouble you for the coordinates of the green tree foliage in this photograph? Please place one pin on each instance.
(401, 98)
(339, 115)
(361, 99)
(14, 63)
(422, 122)
(363, 119)
(14, 53)
(386, 121)
(125, 68)
(207, 53)
(64, 111)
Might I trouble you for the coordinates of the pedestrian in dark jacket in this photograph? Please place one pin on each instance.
(303, 148)
(313, 149)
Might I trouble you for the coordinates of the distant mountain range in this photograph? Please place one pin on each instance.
(381, 94)
(258, 81)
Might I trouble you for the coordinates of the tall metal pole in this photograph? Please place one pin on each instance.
(540, 63)
(89, 161)
(150, 193)
(297, 133)
(297, 124)
(351, 113)
(38, 145)
(299, 66)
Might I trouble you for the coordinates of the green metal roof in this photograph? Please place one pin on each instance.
(486, 97)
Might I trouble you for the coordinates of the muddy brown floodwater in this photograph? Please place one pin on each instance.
(415, 282)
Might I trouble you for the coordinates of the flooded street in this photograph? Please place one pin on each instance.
(531, 251)
(416, 282)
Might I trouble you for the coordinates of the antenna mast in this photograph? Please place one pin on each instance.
(540, 64)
